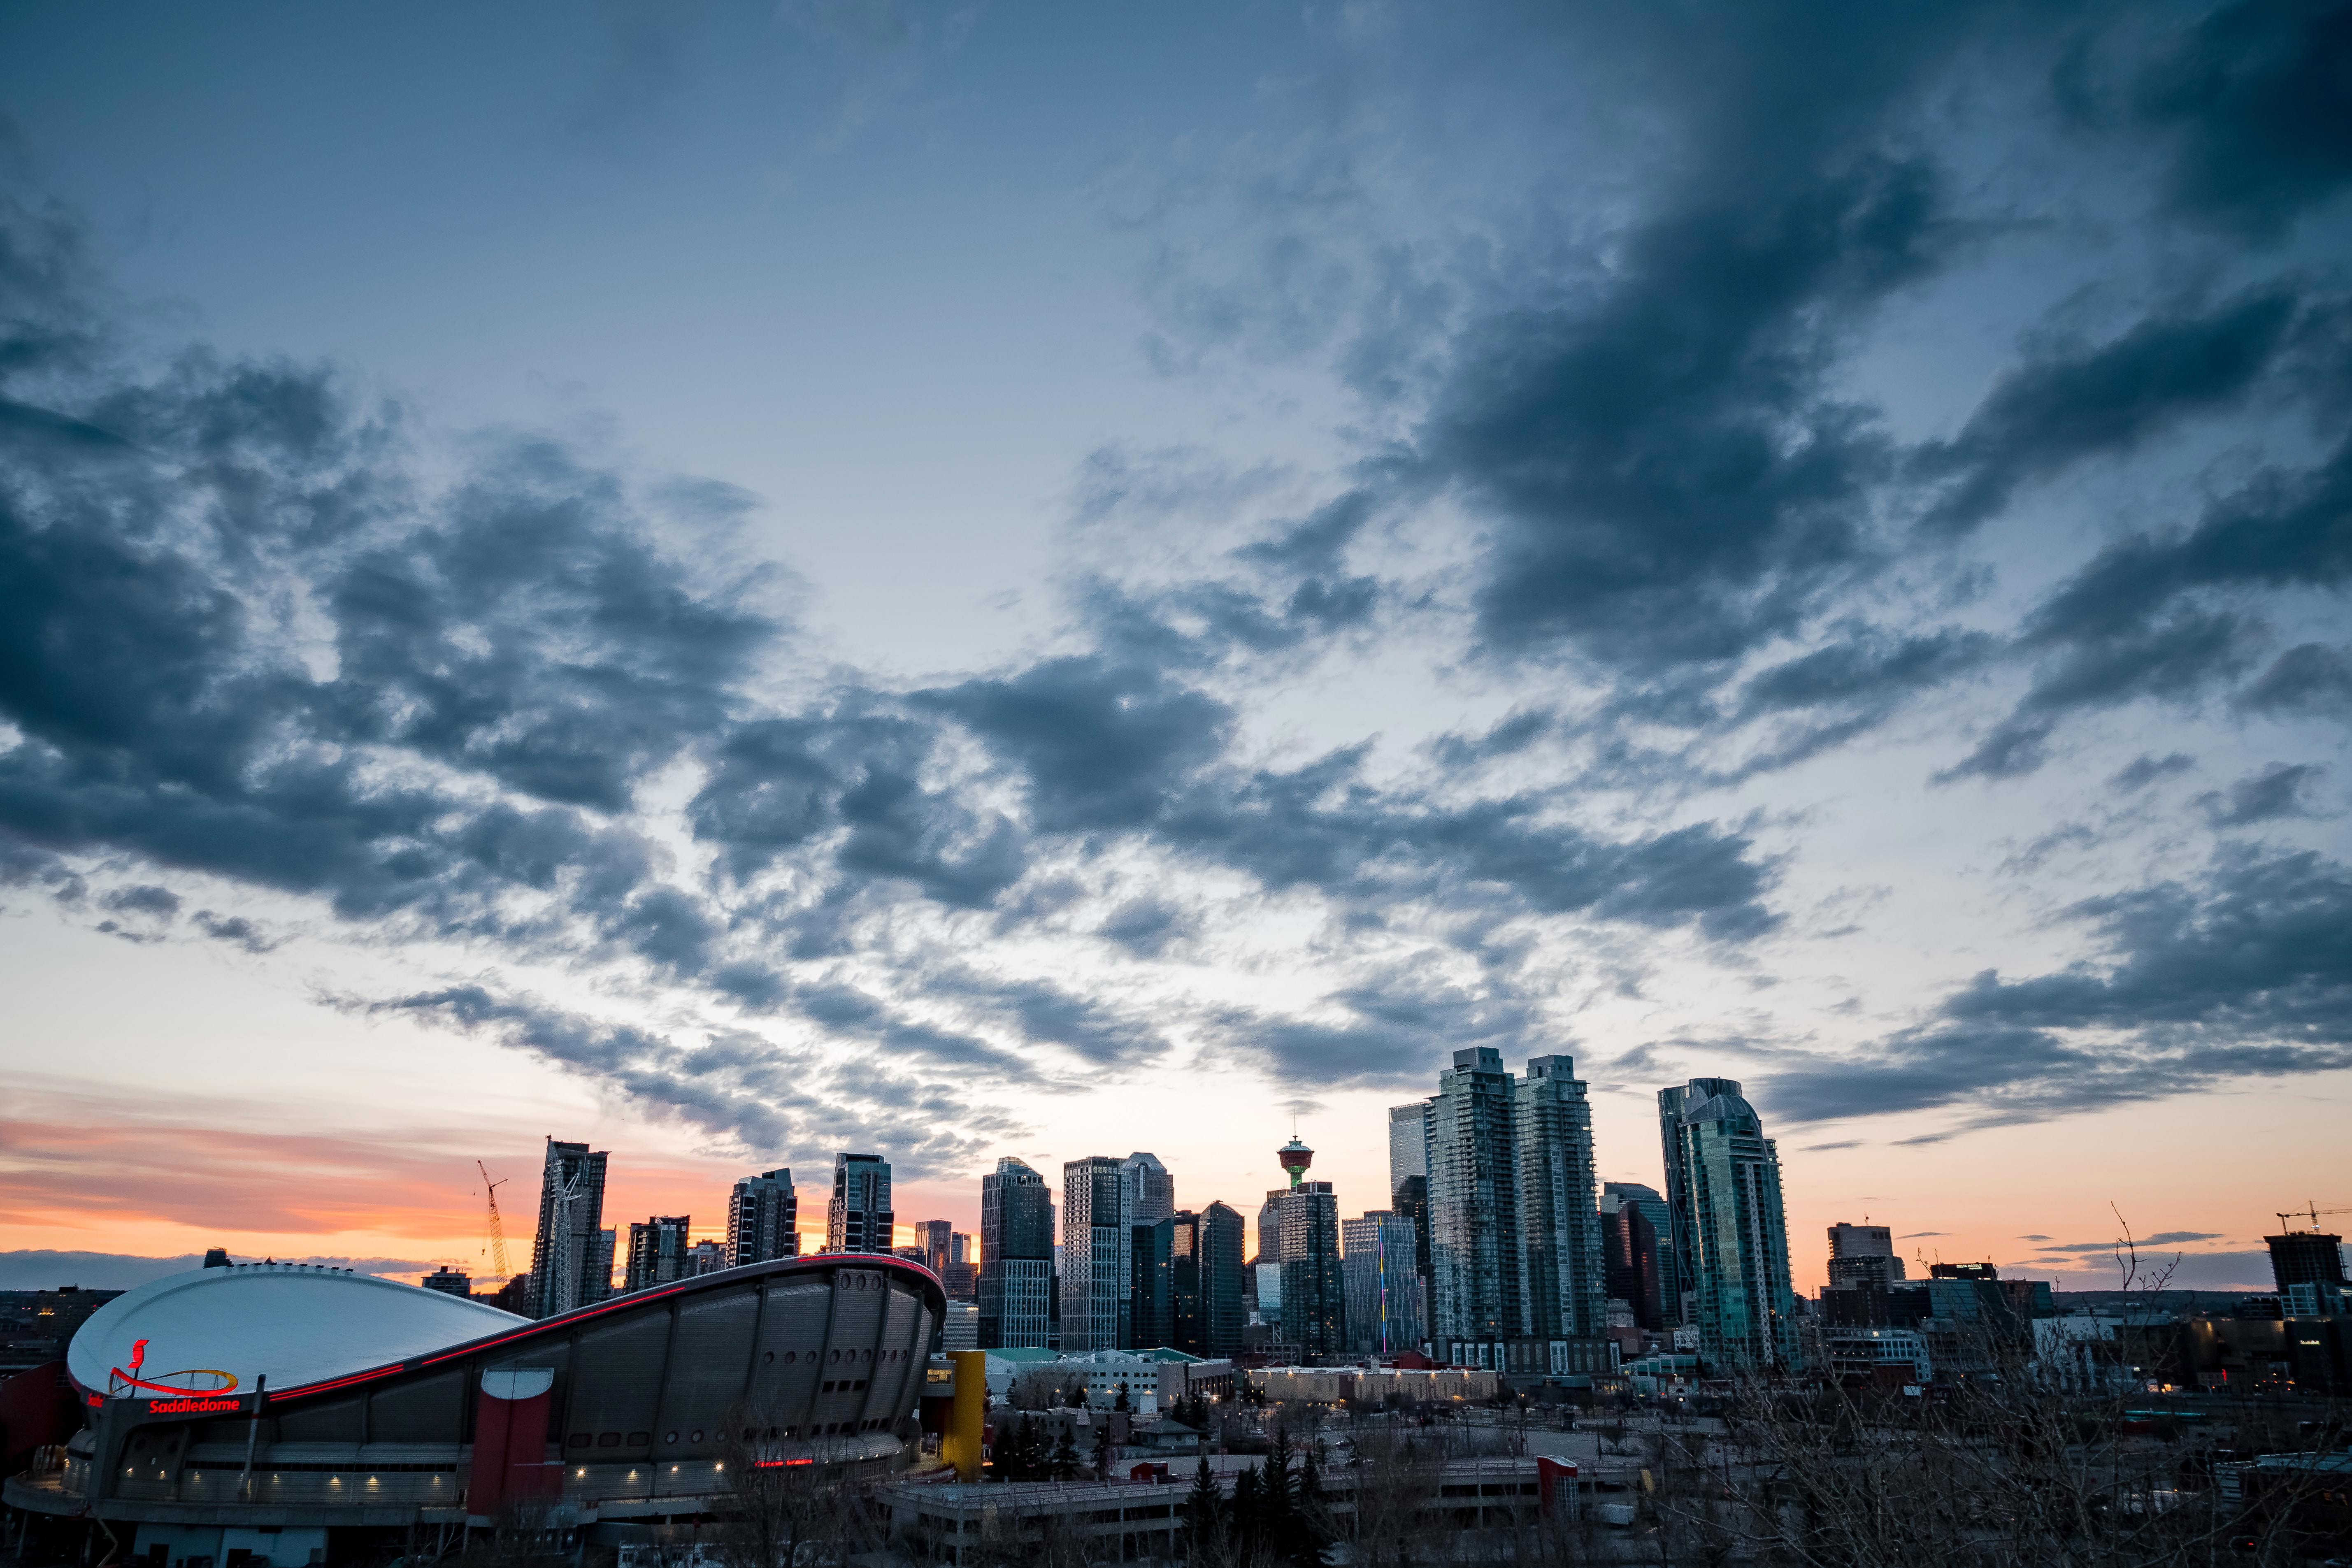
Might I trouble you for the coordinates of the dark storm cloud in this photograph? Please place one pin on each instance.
(2254, 102)
(767, 1099)
(1670, 480)
(1319, 826)
(1147, 926)
(1393, 1029)
(2057, 410)
(145, 899)
(2156, 613)
(2276, 791)
(520, 634)
(2145, 770)
(235, 930)
(1100, 746)
(2309, 677)
(536, 636)
(2244, 973)
(1045, 1014)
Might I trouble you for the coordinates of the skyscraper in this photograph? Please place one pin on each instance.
(1384, 1292)
(1629, 1246)
(1097, 1256)
(1151, 1302)
(1409, 1190)
(1408, 1143)
(1474, 1207)
(859, 1218)
(1653, 1205)
(1205, 1276)
(1270, 1229)
(658, 1251)
(1516, 1277)
(1560, 1228)
(1314, 1282)
(1150, 1190)
(1725, 1183)
(1676, 1239)
(763, 1219)
(566, 1251)
(1017, 1257)
(1863, 1254)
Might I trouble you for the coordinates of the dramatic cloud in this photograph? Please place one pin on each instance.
(2242, 973)
(1617, 529)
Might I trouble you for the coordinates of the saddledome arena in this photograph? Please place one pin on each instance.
(280, 1415)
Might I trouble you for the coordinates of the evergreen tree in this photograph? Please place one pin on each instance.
(1102, 1453)
(1064, 1462)
(1245, 1516)
(1123, 1403)
(1313, 1521)
(1077, 1398)
(1278, 1486)
(1031, 1451)
(1204, 1507)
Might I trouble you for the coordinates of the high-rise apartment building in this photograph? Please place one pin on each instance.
(1863, 1254)
(1314, 1281)
(1151, 1289)
(1016, 1258)
(1384, 1288)
(1098, 1267)
(1206, 1275)
(1515, 1275)
(1653, 1205)
(569, 1263)
(763, 1219)
(1566, 1294)
(1150, 1190)
(1676, 1239)
(859, 1218)
(706, 1258)
(1724, 1184)
(1474, 1206)
(449, 1282)
(658, 1252)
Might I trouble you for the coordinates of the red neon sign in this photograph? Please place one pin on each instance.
(191, 1406)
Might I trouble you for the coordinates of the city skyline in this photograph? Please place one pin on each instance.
(737, 582)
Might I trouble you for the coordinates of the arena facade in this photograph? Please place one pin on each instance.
(283, 1416)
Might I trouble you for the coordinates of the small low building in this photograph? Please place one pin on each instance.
(1374, 1385)
(1154, 1379)
(1862, 1356)
(954, 1523)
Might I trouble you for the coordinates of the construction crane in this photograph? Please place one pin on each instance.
(498, 1232)
(2312, 1209)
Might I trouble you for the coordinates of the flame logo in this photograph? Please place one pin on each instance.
(195, 1380)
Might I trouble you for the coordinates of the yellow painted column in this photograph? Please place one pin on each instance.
(968, 1418)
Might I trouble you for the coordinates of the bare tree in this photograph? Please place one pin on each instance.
(786, 1510)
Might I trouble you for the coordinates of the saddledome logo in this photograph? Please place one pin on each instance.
(177, 1386)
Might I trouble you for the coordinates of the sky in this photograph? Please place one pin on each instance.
(740, 581)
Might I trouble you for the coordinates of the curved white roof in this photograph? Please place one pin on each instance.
(219, 1329)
